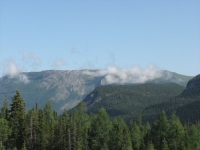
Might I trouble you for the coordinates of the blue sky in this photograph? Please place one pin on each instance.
(72, 35)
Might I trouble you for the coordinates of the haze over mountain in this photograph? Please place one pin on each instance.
(67, 88)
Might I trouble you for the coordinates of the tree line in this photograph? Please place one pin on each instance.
(44, 129)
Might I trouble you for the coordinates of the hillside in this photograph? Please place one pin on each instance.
(130, 101)
(67, 88)
(64, 88)
(186, 105)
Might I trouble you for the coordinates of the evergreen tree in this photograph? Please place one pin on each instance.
(61, 138)
(176, 133)
(4, 131)
(99, 131)
(4, 110)
(31, 129)
(150, 146)
(49, 125)
(136, 135)
(42, 140)
(193, 141)
(165, 145)
(120, 136)
(80, 124)
(159, 131)
(16, 121)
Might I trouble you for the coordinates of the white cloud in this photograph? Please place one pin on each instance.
(12, 70)
(128, 75)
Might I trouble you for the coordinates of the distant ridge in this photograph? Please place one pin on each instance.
(64, 88)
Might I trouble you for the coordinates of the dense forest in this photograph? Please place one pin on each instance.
(129, 101)
(44, 129)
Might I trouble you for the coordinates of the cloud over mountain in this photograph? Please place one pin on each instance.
(114, 75)
(12, 70)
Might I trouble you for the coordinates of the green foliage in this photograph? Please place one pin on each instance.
(16, 121)
(120, 136)
(159, 131)
(43, 129)
(130, 101)
(4, 130)
(4, 110)
(99, 131)
(150, 146)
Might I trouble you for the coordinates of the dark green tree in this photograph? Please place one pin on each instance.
(31, 129)
(49, 125)
(164, 145)
(16, 121)
(176, 133)
(159, 131)
(4, 131)
(120, 136)
(99, 131)
(4, 113)
(150, 146)
(136, 136)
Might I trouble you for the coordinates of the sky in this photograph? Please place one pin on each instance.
(87, 34)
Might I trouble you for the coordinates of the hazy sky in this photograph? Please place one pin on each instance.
(93, 34)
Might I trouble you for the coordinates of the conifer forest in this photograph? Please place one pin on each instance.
(44, 129)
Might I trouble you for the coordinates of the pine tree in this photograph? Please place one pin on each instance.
(99, 131)
(150, 146)
(120, 136)
(49, 125)
(41, 130)
(31, 129)
(159, 131)
(165, 145)
(4, 131)
(79, 125)
(136, 135)
(176, 133)
(61, 136)
(16, 121)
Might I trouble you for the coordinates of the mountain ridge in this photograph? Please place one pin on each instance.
(65, 88)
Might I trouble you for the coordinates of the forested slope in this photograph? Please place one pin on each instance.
(186, 105)
(130, 101)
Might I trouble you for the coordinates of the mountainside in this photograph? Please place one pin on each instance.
(130, 101)
(148, 100)
(186, 105)
(65, 89)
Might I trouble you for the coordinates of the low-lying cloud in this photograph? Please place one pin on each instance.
(13, 71)
(114, 75)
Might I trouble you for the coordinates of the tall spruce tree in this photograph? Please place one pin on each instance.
(99, 131)
(176, 133)
(16, 121)
(159, 131)
(120, 136)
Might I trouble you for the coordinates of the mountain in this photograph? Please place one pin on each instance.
(129, 101)
(63, 88)
(186, 105)
(66, 89)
